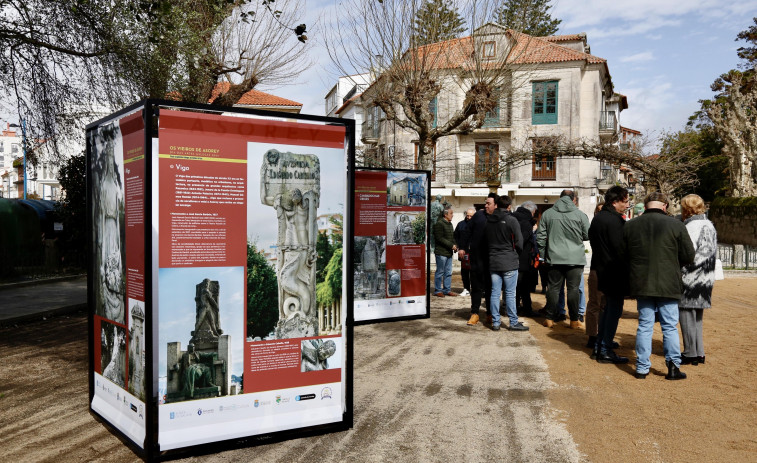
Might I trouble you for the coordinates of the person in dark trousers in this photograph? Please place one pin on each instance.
(505, 242)
(560, 236)
(656, 247)
(462, 238)
(481, 282)
(606, 237)
(525, 217)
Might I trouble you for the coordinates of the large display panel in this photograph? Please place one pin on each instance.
(116, 165)
(237, 321)
(390, 254)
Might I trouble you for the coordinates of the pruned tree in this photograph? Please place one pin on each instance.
(437, 20)
(407, 75)
(528, 16)
(69, 62)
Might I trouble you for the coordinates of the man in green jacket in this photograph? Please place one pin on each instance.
(444, 249)
(563, 228)
(656, 247)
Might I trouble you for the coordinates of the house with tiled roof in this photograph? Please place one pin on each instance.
(259, 100)
(559, 89)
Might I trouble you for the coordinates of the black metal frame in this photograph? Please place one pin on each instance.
(428, 248)
(151, 450)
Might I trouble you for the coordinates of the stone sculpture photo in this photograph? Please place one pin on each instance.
(290, 184)
(394, 288)
(108, 210)
(113, 353)
(370, 263)
(137, 349)
(315, 354)
(399, 226)
(204, 369)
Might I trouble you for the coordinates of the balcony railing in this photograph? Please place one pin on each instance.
(544, 169)
(607, 121)
(370, 129)
(468, 173)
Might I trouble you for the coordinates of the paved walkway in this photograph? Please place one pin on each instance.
(35, 300)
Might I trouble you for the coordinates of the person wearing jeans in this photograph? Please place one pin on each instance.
(505, 243)
(443, 275)
(668, 310)
(444, 250)
(509, 281)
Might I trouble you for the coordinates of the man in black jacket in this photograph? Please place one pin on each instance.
(657, 246)
(505, 243)
(525, 217)
(462, 238)
(481, 282)
(606, 237)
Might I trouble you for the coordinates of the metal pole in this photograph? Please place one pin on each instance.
(23, 144)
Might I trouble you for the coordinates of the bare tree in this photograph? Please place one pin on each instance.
(408, 76)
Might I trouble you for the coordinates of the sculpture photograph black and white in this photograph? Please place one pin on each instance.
(401, 227)
(405, 189)
(394, 282)
(137, 348)
(108, 221)
(370, 264)
(113, 353)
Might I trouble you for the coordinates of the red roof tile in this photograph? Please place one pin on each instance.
(536, 50)
(254, 97)
(564, 38)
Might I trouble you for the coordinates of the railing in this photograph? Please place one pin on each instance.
(467, 173)
(737, 257)
(370, 129)
(606, 177)
(607, 121)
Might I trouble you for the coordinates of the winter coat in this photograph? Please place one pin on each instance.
(526, 221)
(699, 276)
(656, 247)
(504, 240)
(563, 228)
(479, 253)
(444, 237)
(462, 235)
(606, 236)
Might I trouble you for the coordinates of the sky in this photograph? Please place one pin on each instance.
(662, 54)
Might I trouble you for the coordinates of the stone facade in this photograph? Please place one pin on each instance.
(735, 220)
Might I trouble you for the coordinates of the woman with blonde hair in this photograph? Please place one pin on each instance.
(698, 278)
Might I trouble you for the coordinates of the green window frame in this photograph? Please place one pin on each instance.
(544, 105)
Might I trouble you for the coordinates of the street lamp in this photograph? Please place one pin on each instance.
(23, 146)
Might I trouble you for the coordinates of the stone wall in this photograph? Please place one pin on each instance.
(735, 220)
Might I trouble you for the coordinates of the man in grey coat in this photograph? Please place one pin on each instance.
(656, 247)
(563, 228)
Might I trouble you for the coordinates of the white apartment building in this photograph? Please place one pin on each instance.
(559, 89)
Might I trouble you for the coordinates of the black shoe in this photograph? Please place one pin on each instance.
(591, 342)
(581, 318)
(561, 318)
(495, 327)
(673, 371)
(641, 375)
(610, 356)
(615, 345)
(689, 360)
(701, 359)
(518, 327)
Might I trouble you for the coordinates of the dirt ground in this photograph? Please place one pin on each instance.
(710, 416)
(424, 391)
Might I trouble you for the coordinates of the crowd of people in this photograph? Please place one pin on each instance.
(665, 263)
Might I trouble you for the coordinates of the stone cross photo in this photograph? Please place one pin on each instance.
(291, 184)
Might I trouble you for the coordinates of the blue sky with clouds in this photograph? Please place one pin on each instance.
(662, 54)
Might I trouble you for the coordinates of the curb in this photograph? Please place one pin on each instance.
(65, 310)
(22, 284)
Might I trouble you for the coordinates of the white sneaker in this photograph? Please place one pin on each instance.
(465, 293)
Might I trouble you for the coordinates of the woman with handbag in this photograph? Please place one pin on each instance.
(698, 278)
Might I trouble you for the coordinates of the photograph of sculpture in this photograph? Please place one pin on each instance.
(200, 336)
(405, 189)
(137, 348)
(406, 227)
(113, 352)
(108, 221)
(394, 282)
(285, 199)
(369, 257)
(320, 354)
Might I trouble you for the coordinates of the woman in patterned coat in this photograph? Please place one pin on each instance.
(698, 278)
